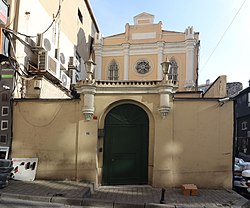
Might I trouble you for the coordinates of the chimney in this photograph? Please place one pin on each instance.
(207, 81)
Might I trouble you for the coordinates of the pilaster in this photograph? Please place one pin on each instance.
(190, 56)
(160, 49)
(98, 60)
(126, 47)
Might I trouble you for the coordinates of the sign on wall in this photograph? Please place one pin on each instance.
(4, 152)
(3, 13)
(24, 169)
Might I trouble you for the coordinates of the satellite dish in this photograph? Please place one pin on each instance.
(47, 44)
(77, 77)
(64, 79)
(62, 58)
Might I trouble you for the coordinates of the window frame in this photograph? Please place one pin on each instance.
(2, 123)
(80, 16)
(244, 125)
(248, 99)
(5, 114)
(6, 138)
(113, 70)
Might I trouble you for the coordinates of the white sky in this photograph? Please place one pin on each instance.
(210, 18)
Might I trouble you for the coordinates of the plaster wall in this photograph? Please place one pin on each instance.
(203, 143)
(192, 145)
(45, 90)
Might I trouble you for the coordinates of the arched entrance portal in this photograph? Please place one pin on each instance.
(125, 159)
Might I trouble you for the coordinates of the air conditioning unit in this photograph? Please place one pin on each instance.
(49, 66)
(48, 41)
(74, 75)
(73, 63)
(65, 80)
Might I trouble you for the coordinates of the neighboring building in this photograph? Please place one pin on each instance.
(6, 88)
(51, 54)
(242, 124)
(233, 88)
(43, 50)
(134, 122)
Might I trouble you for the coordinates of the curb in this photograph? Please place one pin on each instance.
(53, 199)
(26, 197)
(49, 199)
(113, 204)
(88, 202)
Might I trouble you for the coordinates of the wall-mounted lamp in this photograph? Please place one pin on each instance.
(90, 68)
(166, 65)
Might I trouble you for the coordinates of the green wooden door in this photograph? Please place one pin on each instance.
(125, 159)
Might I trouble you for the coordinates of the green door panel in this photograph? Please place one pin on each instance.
(126, 146)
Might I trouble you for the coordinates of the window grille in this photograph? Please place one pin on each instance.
(113, 71)
(173, 72)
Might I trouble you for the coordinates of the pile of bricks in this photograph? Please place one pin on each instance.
(189, 190)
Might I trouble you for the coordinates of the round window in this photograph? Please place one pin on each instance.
(142, 66)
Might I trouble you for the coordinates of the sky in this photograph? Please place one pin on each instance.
(223, 25)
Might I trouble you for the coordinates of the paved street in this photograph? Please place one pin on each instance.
(17, 203)
(66, 193)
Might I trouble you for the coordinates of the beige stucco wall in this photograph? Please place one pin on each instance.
(192, 145)
(152, 75)
(106, 61)
(200, 150)
(48, 131)
(218, 88)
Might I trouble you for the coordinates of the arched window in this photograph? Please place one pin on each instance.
(173, 73)
(113, 70)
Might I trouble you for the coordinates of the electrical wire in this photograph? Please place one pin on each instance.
(5, 30)
(223, 36)
(53, 117)
(33, 36)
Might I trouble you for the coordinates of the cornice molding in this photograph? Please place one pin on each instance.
(150, 48)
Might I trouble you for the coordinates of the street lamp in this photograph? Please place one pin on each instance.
(90, 68)
(166, 65)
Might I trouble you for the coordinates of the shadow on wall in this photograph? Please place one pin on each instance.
(84, 44)
(84, 50)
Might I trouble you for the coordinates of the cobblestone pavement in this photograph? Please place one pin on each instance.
(82, 194)
(69, 189)
(173, 197)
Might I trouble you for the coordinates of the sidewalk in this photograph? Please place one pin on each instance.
(75, 193)
(65, 192)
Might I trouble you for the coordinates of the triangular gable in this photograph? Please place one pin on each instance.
(144, 18)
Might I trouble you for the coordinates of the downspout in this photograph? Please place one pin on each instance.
(197, 65)
(76, 143)
(15, 22)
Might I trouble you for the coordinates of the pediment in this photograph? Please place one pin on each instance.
(144, 18)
